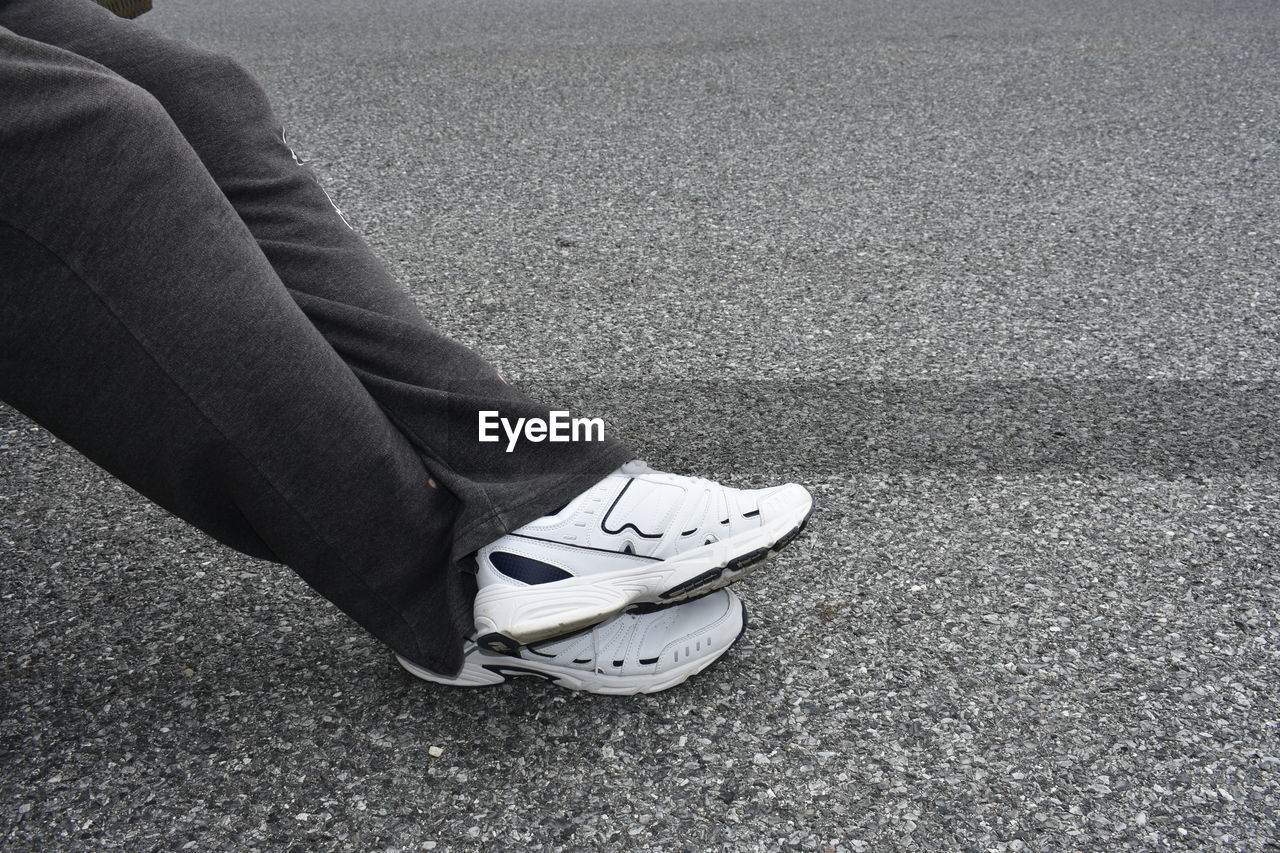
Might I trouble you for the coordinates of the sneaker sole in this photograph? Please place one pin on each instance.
(508, 617)
(499, 672)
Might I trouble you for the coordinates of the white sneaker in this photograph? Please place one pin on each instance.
(637, 536)
(642, 652)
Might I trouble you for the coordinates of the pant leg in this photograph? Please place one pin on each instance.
(141, 323)
(431, 387)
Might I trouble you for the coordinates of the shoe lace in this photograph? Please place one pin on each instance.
(635, 468)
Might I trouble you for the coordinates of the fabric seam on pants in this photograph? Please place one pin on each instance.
(435, 457)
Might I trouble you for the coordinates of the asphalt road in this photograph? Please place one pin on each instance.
(997, 280)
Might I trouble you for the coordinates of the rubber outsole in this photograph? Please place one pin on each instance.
(732, 571)
(718, 577)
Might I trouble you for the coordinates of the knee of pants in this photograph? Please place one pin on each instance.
(135, 109)
(209, 91)
(52, 144)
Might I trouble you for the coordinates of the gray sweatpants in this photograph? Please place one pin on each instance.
(180, 302)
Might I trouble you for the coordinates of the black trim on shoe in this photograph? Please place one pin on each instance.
(526, 569)
(584, 547)
(509, 672)
(638, 531)
(498, 644)
(709, 576)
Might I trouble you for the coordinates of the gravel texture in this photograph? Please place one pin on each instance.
(997, 280)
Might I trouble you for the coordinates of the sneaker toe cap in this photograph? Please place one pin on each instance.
(789, 500)
(700, 628)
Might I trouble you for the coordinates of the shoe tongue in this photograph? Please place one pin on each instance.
(635, 468)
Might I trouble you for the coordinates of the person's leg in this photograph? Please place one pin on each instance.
(432, 388)
(683, 544)
(141, 323)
